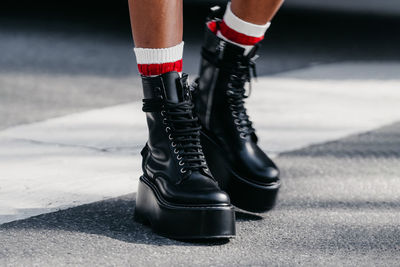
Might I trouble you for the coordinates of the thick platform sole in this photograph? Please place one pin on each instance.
(243, 193)
(181, 222)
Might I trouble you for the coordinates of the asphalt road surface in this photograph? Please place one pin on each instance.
(339, 203)
(339, 206)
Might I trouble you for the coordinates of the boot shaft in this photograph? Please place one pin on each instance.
(221, 61)
(173, 146)
(168, 86)
(157, 90)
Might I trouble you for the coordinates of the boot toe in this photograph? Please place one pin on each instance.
(271, 173)
(197, 192)
(265, 175)
(220, 197)
(203, 198)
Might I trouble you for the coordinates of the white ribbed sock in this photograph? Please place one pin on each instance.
(156, 61)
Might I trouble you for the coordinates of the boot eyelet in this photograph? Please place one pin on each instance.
(236, 121)
(229, 92)
(179, 157)
(183, 170)
(181, 163)
(163, 113)
(170, 137)
(164, 121)
(173, 144)
(167, 129)
(242, 135)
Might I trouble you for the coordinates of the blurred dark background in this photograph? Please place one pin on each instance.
(300, 35)
(317, 34)
(47, 48)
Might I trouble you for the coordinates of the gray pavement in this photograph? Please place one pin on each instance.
(339, 206)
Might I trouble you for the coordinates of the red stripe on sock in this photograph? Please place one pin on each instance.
(157, 69)
(238, 37)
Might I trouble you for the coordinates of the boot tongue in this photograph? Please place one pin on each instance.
(175, 89)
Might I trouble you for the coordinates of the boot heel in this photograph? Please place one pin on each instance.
(243, 193)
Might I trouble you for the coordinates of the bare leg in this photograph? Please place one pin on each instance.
(256, 11)
(156, 23)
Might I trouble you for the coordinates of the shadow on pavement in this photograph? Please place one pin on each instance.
(112, 218)
(247, 216)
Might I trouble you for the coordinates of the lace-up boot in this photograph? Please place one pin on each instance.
(228, 137)
(177, 194)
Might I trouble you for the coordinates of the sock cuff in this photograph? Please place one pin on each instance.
(243, 27)
(159, 55)
(160, 68)
(246, 45)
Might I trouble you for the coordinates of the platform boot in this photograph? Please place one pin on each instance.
(177, 194)
(228, 137)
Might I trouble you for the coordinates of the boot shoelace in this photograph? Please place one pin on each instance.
(183, 131)
(236, 94)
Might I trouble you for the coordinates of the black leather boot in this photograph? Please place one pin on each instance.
(177, 194)
(229, 141)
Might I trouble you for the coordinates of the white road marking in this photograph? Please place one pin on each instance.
(94, 155)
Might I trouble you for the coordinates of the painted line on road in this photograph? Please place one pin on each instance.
(94, 155)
